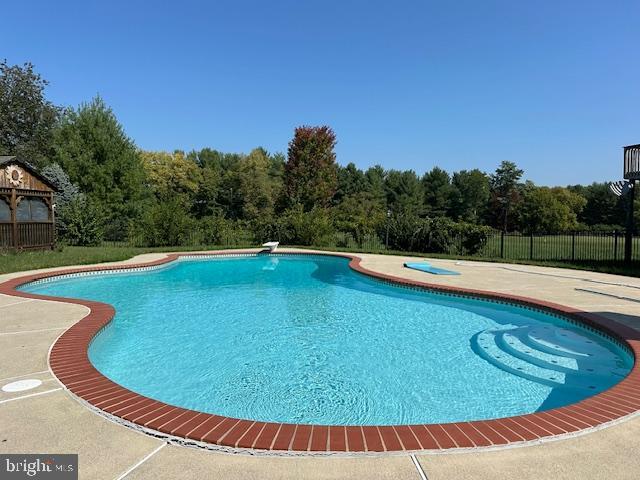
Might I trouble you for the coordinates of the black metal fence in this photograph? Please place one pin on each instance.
(577, 247)
(563, 247)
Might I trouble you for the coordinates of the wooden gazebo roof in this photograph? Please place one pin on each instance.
(42, 183)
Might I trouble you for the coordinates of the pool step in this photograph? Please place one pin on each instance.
(563, 342)
(515, 342)
(488, 347)
(510, 342)
(509, 349)
(539, 341)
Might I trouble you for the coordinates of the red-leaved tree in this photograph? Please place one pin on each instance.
(310, 172)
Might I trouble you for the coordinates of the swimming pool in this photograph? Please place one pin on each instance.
(308, 340)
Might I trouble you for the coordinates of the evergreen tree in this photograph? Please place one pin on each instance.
(437, 192)
(66, 190)
(351, 180)
(405, 195)
(93, 149)
(470, 195)
(375, 186)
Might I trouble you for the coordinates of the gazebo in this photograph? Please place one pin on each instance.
(27, 219)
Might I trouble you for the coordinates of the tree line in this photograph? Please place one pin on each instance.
(109, 188)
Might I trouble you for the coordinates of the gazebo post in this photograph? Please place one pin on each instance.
(14, 221)
(53, 220)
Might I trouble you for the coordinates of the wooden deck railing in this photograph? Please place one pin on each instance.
(30, 235)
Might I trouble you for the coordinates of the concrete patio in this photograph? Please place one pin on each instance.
(49, 419)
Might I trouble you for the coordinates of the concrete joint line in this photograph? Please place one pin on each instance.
(30, 395)
(25, 375)
(611, 295)
(136, 465)
(17, 303)
(415, 461)
(33, 331)
(567, 277)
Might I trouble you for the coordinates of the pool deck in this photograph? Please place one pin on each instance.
(49, 419)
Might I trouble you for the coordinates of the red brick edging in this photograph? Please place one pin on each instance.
(70, 363)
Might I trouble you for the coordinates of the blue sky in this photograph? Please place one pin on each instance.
(551, 85)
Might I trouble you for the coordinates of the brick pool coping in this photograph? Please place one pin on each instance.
(69, 362)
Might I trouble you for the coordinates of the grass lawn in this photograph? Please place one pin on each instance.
(32, 260)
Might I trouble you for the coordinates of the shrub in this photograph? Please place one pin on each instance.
(359, 215)
(600, 228)
(344, 240)
(404, 231)
(80, 222)
(474, 237)
(267, 229)
(217, 230)
(310, 228)
(436, 235)
(443, 235)
(164, 224)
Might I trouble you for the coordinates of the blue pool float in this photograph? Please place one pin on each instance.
(425, 267)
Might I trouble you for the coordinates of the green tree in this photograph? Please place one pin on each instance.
(310, 173)
(229, 196)
(256, 186)
(93, 149)
(205, 201)
(470, 195)
(375, 186)
(66, 193)
(219, 189)
(351, 180)
(277, 164)
(172, 175)
(505, 195)
(602, 207)
(548, 210)
(207, 157)
(437, 192)
(66, 190)
(405, 195)
(359, 214)
(27, 118)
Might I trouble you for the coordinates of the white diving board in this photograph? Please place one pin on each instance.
(272, 246)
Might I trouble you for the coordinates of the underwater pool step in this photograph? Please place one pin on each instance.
(539, 342)
(512, 344)
(490, 346)
(562, 342)
(516, 342)
(489, 349)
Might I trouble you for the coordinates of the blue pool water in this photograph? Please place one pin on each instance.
(305, 339)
